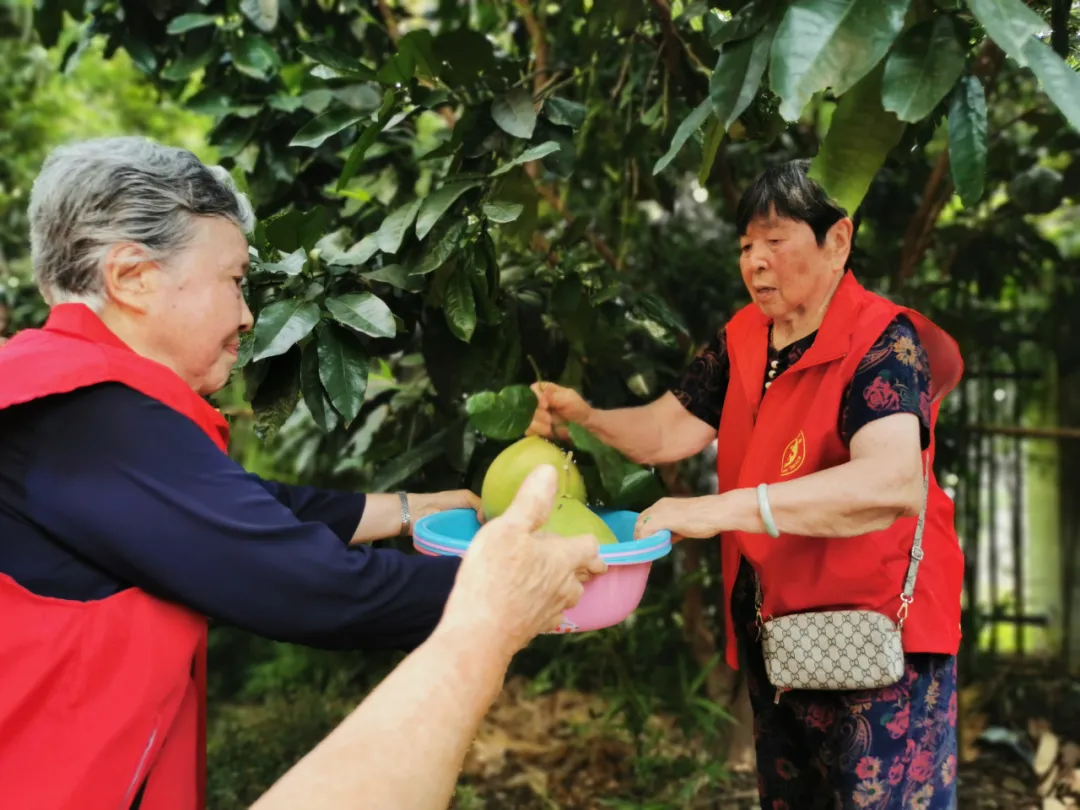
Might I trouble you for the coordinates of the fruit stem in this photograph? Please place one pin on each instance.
(536, 369)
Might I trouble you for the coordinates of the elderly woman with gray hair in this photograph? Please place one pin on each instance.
(124, 524)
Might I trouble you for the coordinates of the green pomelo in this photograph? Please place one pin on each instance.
(571, 517)
(513, 465)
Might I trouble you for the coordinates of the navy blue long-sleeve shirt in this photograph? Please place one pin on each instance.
(104, 488)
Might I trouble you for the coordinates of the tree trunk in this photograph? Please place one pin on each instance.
(723, 685)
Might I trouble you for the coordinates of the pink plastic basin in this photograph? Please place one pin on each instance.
(607, 599)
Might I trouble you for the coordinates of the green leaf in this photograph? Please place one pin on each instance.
(365, 313)
(262, 13)
(396, 275)
(749, 19)
(565, 113)
(291, 265)
(318, 403)
(405, 465)
(713, 136)
(188, 64)
(830, 43)
(232, 134)
(283, 324)
(438, 203)
(356, 155)
(464, 56)
(967, 139)
(687, 128)
(443, 250)
(1010, 24)
(418, 44)
(48, 20)
(214, 103)
(626, 483)
(285, 103)
(338, 61)
(294, 229)
(364, 97)
(860, 137)
(318, 129)
(737, 76)
(459, 305)
(367, 139)
(504, 415)
(398, 70)
(189, 22)
(534, 153)
(514, 113)
(255, 57)
(343, 369)
(359, 253)
(503, 212)
(1059, 81)
(277, 394)
(393, 229)
(922, 68)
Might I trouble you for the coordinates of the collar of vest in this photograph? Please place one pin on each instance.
(75, 349)
(79, 321)
(748, 333)
(834, 334)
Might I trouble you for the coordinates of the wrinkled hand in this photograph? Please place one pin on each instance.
(557, 406)
(428, 503)
(683, 517)
(515, 584)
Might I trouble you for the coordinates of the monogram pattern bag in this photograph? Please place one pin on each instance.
(841, 649)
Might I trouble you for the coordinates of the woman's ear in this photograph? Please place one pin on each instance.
(130, 276)
(838, 242)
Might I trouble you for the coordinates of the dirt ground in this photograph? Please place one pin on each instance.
(551, 752)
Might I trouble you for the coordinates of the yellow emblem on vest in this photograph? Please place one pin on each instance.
(794, 455)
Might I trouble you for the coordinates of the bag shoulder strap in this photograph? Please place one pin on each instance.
(916, 548)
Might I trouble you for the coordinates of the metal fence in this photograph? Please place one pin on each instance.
(1014, 516)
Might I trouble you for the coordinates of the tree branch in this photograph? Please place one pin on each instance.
(673, 42)
(938, 189)
(1059, 22)
(599, 245)
(540, 46)
(389, 21)
(939, 186)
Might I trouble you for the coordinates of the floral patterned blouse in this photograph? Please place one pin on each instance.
(893, 377)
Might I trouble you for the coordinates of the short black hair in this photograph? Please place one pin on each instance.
(788, 190)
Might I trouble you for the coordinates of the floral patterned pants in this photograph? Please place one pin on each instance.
(885, 749)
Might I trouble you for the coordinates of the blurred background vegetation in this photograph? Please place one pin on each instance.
(449, 190)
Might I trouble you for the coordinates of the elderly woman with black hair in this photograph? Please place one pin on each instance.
(124, 524)
(841, 565)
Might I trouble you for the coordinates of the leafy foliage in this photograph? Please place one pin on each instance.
(376, 158)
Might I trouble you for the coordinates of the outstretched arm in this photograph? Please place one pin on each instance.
(404, 745)
(147, 497)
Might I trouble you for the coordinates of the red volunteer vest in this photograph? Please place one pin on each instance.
(96, 696)
(793, 431)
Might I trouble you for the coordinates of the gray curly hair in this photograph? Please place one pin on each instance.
(93, 194)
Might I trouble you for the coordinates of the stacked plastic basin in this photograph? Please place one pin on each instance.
(608, 599)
